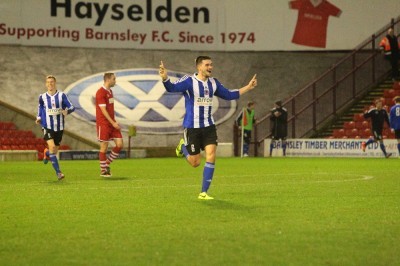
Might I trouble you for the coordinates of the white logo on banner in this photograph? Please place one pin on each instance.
(140, 99)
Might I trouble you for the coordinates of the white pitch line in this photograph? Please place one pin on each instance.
(147, 186)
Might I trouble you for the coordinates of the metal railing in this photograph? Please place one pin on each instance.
(319, 103)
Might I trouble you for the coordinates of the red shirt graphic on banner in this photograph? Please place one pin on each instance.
(312, 21)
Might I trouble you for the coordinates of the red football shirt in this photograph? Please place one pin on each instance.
(105, 98)
(312, 21)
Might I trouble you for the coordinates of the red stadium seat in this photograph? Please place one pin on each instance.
(389, 101)
(338, 133)
(14, 147)
(31, 147)
(359, 124)
(358, 117)
(64, 147)
(366, 133)
(396, 85)
(8, 126)
(40, 155)
(365, 125)
(389, 93)
(5, 147)
(388, 133)
(349, 125)
(352, 133)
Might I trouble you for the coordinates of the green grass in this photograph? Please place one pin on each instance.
(267, 211)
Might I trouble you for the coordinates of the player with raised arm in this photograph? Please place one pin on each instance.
(53, 107)
(199, 128)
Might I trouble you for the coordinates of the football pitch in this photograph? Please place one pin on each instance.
(266, 211)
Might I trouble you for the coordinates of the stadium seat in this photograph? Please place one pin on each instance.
(40, 155)
(5, 147)
(358, 117)
(359, 125)
(14, 147)
(352, 133)
(9, 126)
(31, 147)
(349, 125)
(389, 101)
(396, 85)
(64, 147)
(389, 93)
(40, 147)
(338, 133)
(388, 133)
(23, 147)
(366, 133)
(366, 125)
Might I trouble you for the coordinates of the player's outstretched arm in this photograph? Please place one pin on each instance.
(252, 84)
(163, 72)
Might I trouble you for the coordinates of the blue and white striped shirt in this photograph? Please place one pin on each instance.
(199, 98)
(395, 116)
(50, 110)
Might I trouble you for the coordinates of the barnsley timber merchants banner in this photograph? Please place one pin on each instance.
(223, 25)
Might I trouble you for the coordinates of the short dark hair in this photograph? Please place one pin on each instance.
(201, 58)
(279, 103)
(108, 75)
(396, 99)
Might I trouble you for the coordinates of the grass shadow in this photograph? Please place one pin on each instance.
(223, 205)
(115, 178)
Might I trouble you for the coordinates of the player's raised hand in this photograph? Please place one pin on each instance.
(162, 71)
(253, 82)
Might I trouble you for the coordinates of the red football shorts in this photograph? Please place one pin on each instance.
(107, 133)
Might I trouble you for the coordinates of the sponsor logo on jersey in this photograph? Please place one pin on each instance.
(54, 111)
(203, 101)
(140, 99)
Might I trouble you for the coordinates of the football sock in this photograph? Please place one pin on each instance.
(103, 161)
(47, 153)
(369, 142)
(54, 162)
(246, 148)
(284, 147)
(383, 148)
(113, 155)
(271, 147)
(398, 147)
(208, 174)
(184, 151)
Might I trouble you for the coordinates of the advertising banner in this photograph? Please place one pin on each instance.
(330, 148)
(224, 25)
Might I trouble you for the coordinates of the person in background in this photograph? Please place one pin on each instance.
(246, 122)
(279, 126)
(199, 127)
(390, 46)
(53, 107)
(378, 116)
(394, 118)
